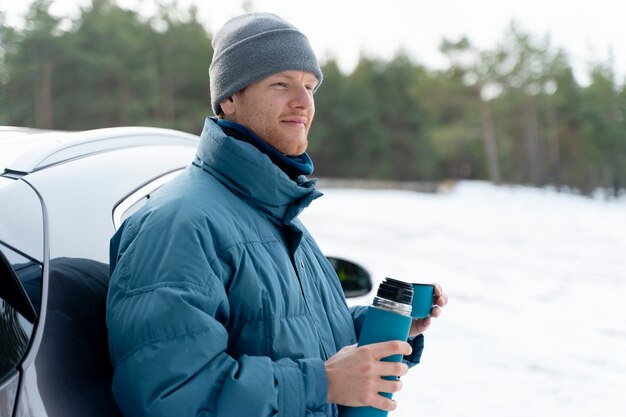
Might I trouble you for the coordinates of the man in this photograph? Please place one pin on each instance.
(220, 302)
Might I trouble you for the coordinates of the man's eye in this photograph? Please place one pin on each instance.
(281, 84)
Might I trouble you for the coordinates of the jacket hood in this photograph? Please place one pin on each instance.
(251, 175)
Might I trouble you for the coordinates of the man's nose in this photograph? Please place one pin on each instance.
(302, 98)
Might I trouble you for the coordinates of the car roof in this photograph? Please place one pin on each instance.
(16, 131)
(14, 143)
(27, 151)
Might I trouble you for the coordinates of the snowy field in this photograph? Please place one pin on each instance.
(536, 322)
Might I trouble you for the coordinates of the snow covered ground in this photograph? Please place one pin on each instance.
(536, 322)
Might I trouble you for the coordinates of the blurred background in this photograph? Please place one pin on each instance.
(512, 114)
(529, 94)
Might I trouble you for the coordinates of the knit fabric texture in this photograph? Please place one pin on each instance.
(253, 46)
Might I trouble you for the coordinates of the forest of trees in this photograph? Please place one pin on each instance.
(512, 114)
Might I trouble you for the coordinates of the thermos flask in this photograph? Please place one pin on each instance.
(388, 318)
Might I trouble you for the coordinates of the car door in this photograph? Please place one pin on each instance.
(23, 293)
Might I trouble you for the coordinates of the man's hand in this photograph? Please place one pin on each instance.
(355, 374)
(440, 300)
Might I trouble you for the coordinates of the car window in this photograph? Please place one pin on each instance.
(21, 219)
(21, 282)
(17, 314)
(134, 201)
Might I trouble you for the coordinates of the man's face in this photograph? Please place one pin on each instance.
(278, 108)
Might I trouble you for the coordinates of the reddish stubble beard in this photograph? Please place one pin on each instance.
(279, 109)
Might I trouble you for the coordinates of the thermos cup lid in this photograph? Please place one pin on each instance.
(396, 290)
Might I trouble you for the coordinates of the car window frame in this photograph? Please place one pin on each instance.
(121, 209)
(33, 347)
(18, 377)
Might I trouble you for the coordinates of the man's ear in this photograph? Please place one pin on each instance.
(228, 106)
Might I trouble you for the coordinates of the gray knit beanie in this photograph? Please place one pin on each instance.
(253, 46)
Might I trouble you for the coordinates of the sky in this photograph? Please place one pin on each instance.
(535, 324)
(588, 31)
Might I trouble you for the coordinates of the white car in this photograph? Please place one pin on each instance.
(62, 196)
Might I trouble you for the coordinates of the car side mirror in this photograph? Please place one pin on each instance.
(355, 280)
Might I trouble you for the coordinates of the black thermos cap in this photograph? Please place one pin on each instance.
(395, 290)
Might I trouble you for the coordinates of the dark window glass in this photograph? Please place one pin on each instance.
(18, 309)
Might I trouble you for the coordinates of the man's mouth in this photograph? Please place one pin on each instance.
(295, 121)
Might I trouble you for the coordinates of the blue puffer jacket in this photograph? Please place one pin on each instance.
(220, 302)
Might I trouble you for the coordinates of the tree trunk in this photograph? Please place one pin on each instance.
(124, 96)
(169, 107)
(532, 145)
(489, 142)
(554, 148)
(43, 98)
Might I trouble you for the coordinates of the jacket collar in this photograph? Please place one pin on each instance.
(251, 175)
(293, 166)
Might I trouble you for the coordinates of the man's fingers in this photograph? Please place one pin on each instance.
(389, 386)
(423, 325)
(393, 369)
(438, 290)
(441, 299)
(383, 403)
(384, 349)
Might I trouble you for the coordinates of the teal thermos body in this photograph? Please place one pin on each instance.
(388, 318)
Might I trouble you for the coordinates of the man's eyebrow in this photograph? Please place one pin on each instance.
(287, 76)
(292, 77)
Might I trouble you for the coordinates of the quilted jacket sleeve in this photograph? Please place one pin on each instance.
(166, 311)
(416, 342)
